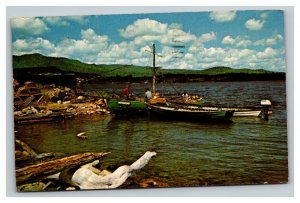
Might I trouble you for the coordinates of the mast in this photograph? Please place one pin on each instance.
(154, 70)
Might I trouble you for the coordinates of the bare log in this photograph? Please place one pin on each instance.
(26, 148)
(40, 170)
(27, 152)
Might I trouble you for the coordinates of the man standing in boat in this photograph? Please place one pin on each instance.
(148, 94)
(185, 96)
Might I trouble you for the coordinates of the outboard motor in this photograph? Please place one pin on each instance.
(266, 104)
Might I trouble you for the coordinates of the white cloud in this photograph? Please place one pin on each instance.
(267, 53)
(222, 16)
(63, 20)
(264, 15)
(77, 19)
(146, 31)
(82, 49)
(38, 45)
(144, 27)
(253, 24)
(55, 20)
(31, 26)
(207, 37)
(179, 35)
(274, 39)
(228, 40)
(92, 37)
(239, 41)
(243, 43)
(94, 48)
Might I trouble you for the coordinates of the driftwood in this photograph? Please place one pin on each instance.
(41, 170)
(27, 153)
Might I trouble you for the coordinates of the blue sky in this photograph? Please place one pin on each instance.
(238, 39)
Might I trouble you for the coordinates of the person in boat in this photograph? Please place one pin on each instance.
(185, 96)
(148, 94)
(126, 93)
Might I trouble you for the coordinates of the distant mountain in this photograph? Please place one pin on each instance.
(40, 63)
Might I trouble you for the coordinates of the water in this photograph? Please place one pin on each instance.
(246, 151)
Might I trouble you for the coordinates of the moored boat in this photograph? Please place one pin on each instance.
(185, 113)
(127, 107)
(263, 110)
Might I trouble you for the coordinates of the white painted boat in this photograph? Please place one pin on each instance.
(246, 112)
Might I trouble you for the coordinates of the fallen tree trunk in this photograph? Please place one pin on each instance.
(40, 170)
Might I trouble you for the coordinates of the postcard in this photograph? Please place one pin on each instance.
(149, 100)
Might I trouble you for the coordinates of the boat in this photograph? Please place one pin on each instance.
(127, 107)
(257, 111)
(189, 113)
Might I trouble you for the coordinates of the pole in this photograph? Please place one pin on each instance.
(154, 70)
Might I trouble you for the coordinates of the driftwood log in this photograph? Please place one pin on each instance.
(37, 171)
(25, 152)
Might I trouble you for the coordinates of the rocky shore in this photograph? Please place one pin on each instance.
(36, 103)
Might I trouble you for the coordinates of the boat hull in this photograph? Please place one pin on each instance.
(127, 107)
(174, 113)
(241, 112)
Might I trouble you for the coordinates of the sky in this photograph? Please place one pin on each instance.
(187, 40)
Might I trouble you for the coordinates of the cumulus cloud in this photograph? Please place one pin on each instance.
(143, 27)
(267, 53)
(28, 46)
(253, 24)
(94, 48)
(222, 16)
(92, 37)
(243, 43)
(30, 26)
(55, 20)
(228, 40)
(272, 40)
(239, 41)
(146, 31)
(63, 20)
(206, 37)
(77, 19)
(89, 44)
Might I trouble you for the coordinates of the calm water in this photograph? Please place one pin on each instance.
(247, 151)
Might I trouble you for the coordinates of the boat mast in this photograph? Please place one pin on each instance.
(153, 69)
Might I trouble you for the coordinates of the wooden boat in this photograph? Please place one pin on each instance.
(238, 111)
(186, 113)
(127, 107)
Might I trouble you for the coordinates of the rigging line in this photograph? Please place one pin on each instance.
(169, 83)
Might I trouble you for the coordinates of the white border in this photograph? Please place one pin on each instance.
(276, 190)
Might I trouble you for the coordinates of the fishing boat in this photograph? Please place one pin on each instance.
(188, 113)
(127, 107)
(257, 111)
